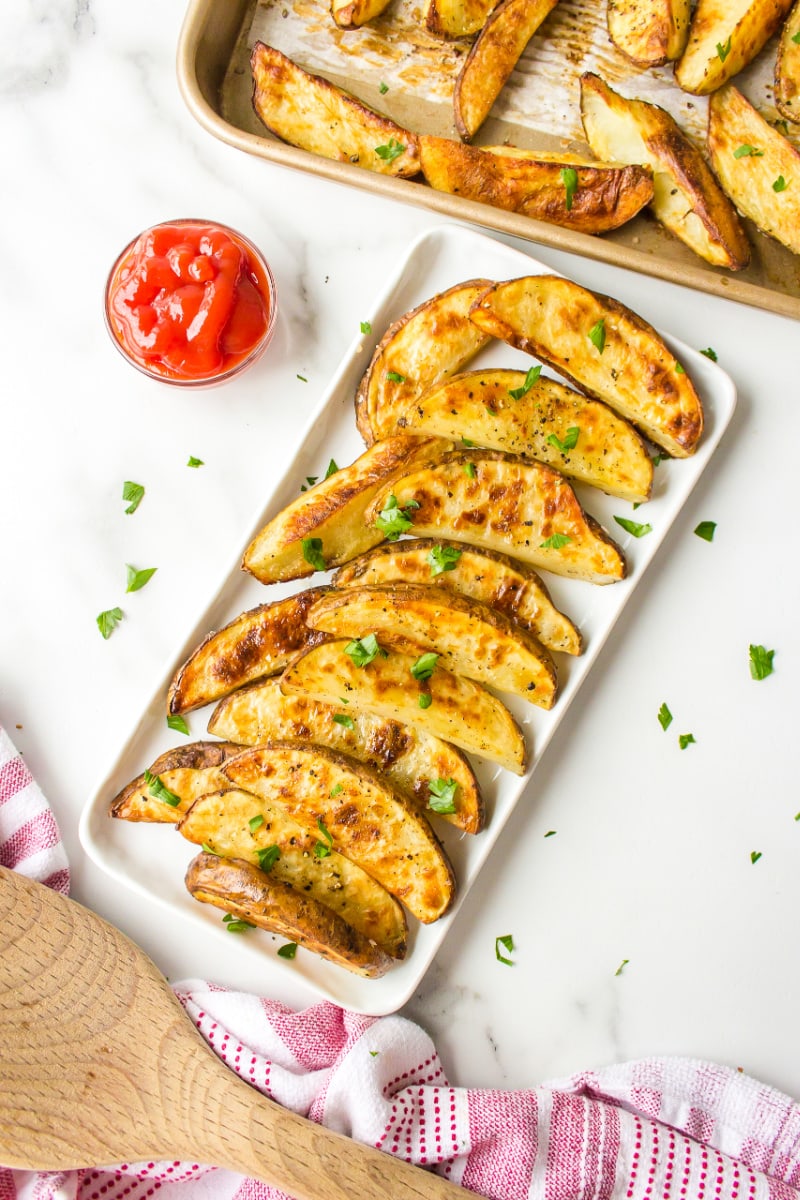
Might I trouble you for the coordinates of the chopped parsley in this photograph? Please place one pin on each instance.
(569, 442)
(780, 184)
(392, 150)
(796, 38)
(425, 665)
(467, 443)
(393, 520)
(312, 553)
(634, 527)
(268, 857)
(302, 378)
(364, 650)
(550, 833)
(236, 924)
(569, 178)
(366, 327)
(504, 943)
(395, 377)
(755, 855)
(343, 719)
(137, 579)
(664, 717)
(555, 542)
(159, 790)
(336, 790)
(705, 530)
(469, 468)
(310, 481)
(255, 822)
(597, 335)
(178, 723)
(425, 699)
(761, 662)
(530, 379)
(195, 462)
(383, 89)
(133, 492)
(709, 353)
(289, 950)
(323, 849)
(747, 151)
(443, 558)
(442, 797)
(723, 51)
(686, 739)
(108, 621)
(680, 369)
(622, 966)
(331, 469)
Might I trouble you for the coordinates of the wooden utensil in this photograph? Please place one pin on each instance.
(100, 1064)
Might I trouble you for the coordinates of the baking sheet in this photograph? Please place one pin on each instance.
(152, 859)
(539, 108)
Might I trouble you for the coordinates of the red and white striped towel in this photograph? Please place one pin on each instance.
(657, 1129)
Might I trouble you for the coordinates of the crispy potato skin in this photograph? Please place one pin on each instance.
(733, 122)
(369, 822)
(479, 405)
(509, 505)
(635, 374)
(460, 711)
(470, 639)
(308, 111)
(688, 199)
(255, 644)
(745, 25)
(221, 821)
(187, 771)
(787, 68)
(333, 511)
(649, 32)
(406, 755)
(492, 59)
(432, 341)
(245, 892)
(607, 196)
(352, 14)
(457, 18)
(513, 589)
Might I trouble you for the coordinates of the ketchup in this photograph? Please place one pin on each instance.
(189, 301)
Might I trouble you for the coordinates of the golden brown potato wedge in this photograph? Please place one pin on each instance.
(787, 68)
(349, 808)
(758, 167)
(173, 783)
(410, 759)
(468, 638)
(605, 194)
(228, 824)
(256, 644)
(452, 708)
(351, 14)
(308, 111)
(543, 419)
(457, 18)
(604, 348)
(688, 200)
(501, 503)
(724, 36)
(484, 575)
(248, 894)
(434, 340)
(649, 32)
(326, 523)
(492, 58)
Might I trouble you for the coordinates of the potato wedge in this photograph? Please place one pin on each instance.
(227, 823)
(333, 512)
(349, 808)
(459, 710)
(186, 772)
(544, 420)
(724, 36)
(469, 638)
(501, 503)
(352, 14)
(254, 645)
(688, 200)
(649, 32)
(409, 758)
(606, 195)
(457, 18)
(249, 894)
(434, 340)
(492, 58)
(763, 182)
(787, 68)
(484, 575)
(308, 111)
(604, 348)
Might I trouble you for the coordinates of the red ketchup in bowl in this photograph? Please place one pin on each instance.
(190, 302)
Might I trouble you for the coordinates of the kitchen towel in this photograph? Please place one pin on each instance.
(655, 1129)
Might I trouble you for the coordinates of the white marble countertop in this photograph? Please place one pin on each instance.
(651, 862)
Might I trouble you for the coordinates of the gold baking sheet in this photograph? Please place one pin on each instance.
(539, 108)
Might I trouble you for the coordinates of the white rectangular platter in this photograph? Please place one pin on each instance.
(152, 859)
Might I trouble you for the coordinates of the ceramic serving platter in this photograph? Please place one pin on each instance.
(152, 859)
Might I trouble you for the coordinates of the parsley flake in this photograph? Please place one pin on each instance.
(302, 378)
(178, 723)
(366, 327)
(236, 924)
(686, 739)
(504, 943)
(208, 849)
(705, 530)
(664, 717)
(528, 382)
(312, 553)
(755, 855)
(569, 178)
(555, 542)
(633, 527)
(550, 833)
(443, 558)
(289, 950)
(108, 621)
(391, 151)
(159, 790)
(761, 662)
(680, 369)
(343, 719)
(133, 492)
(780, 184)
(137, 579)
(723, 51)
(621, 966)
(597, 335)
(336, 790)
(442, 797)
(796, 38)
(395, 377)
(470, 469)
(425, 665)
(195, 462)
(467, 443)
(256, 822)
(709, 353)
(268, 857)
(425, 699)
(331, 469)
(383, 89)
(393, 520)
(747, 151)
(364, 650)
(323, 849)
(569, 442)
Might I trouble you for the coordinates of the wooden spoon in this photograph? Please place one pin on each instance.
(100, 1064)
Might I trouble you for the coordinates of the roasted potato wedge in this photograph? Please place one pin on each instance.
(332, 512)
(409, 758)
(459, 710)
(724, 36)
(254, 645)
(501, 503)
(604, 348)
(186, 772)
(226, 822)
(352, 14)
(764, 181)
(606, 194)
(308, 111)
(249, 894)
(787, 68)
(544, 420)
(649, 32)
(492, 58)
(688, 200)
(457, 18)
(349, 808)
(510, 588)
(434, 340)
(469, 638)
